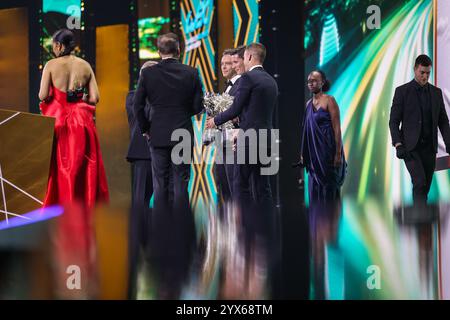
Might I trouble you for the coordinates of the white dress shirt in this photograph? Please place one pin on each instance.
(233, 81)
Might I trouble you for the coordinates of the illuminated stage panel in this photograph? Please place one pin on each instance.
(198, 20)
(24, 161)
(112, 71)
(14, 78)
(246, 21)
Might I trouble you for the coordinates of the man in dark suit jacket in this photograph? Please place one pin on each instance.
(254, 103)
(419, 107)
(138, 147)
(174, 93)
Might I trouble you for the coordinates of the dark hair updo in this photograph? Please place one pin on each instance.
(326, 83)
(66, 38)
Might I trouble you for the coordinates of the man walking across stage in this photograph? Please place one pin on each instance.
(419, 108)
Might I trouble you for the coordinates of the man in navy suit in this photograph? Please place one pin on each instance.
(237, 61)
(254, 104)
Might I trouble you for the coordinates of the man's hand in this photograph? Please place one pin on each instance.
(210, 123)
(234, 135)
(146, 136)
(402, 153)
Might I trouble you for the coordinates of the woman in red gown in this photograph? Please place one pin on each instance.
(77, 178)
(77, 172)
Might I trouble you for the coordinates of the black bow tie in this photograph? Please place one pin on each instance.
(229, 83)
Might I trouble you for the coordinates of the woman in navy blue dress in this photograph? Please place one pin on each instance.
(322, 152)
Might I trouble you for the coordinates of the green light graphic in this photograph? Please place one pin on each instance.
(149, 30)
(329, 43)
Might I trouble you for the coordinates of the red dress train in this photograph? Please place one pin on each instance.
(77, 173)
(77, 181)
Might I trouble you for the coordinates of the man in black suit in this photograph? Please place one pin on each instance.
(254, 103)
(174, 93)
(419, 107)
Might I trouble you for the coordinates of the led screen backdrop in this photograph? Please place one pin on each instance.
(198, 21)
(57, 14)
(149, 29)
(245, 21)
(365, 65)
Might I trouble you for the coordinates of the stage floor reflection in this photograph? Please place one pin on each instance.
(343, 250)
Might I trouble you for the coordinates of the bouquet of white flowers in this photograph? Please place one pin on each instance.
(214, 104)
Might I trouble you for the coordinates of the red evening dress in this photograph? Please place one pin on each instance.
(77, 173)
(77, 181)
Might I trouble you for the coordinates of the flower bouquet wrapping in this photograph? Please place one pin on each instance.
(214, 104)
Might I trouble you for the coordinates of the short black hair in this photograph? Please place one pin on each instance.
(258, 50)
(239, 51)
(423, 60)
(228, 52)
(168, 44)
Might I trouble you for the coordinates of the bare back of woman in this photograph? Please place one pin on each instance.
(69, 73)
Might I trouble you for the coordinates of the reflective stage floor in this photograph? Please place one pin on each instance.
(346, 250)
